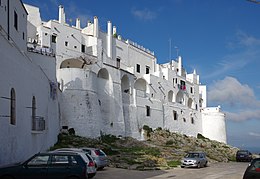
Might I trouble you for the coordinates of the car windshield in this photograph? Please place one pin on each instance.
(192, 155)
(242, 152)
(100, 153)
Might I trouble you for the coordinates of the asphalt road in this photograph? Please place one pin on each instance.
(231, 170)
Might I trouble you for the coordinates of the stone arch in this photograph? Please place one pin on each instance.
(103, 73)
(190, 103)
(72, 63)
(171, 96)
(125, 86)
(140, 84)
(140, 87)
(180, 98)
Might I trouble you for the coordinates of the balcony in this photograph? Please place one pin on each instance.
(182, 87)
(38, 123)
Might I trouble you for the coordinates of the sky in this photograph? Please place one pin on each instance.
(218, 38)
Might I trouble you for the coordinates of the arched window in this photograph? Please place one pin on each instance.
(13, 108)
(33, 108)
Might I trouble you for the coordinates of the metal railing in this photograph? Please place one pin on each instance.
(38, 123)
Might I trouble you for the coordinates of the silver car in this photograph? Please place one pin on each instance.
(194, 159)
(98, 155)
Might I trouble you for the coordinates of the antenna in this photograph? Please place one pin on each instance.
(177, 50)
(170, 48)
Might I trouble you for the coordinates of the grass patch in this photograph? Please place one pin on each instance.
(173, 163)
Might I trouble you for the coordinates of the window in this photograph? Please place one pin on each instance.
(174, 115)
(0, 2)
(39, 160)
(13, 108)
(15, 20)
(23, 36)
(53, 38)
(33, 108)
(83, 47)
(184, 120)
(147, 69)
(191, 90)
(138, 68)
(118, 62)
(148, 111)
(192, 120)
(75, 46)
(66, 43)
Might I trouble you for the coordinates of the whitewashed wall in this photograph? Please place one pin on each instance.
(213, 124)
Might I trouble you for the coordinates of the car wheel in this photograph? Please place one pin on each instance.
(206, 164)
(182, 166)
(199, 165)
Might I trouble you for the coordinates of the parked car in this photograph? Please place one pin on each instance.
(253, 170)
(194, 159)
(87, 158)
(99, 157)
(47, 166)
(243, 155)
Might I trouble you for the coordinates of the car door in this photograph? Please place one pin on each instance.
(202, 160)
(36, 167)
(59, 167)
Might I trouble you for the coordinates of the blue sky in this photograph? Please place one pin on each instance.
(218, 38)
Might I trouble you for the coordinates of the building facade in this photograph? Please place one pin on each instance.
(29, 120)
(58, 77)
(114, 86)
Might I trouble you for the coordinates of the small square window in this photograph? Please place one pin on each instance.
(53, 38)
(174, 115)
(138, 68)
(15, 20)
(75, 46)
(83, 47)
(147, 70)
(66, 43)
(148, 111)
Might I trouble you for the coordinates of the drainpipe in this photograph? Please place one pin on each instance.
(8, 19)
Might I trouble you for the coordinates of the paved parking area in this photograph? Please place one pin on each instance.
(231, 170)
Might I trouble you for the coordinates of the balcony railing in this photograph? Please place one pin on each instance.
(38, 123)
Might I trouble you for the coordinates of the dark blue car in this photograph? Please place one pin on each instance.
(47, 166)
(253, 170)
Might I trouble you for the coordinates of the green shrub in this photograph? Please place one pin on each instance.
(173, 163)
(169, 142)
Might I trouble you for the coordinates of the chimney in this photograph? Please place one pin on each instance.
(89, 23)
(109, 39)
(179, 66)
(78, 23)
(61, 14)
(114, 30)
(96, 30)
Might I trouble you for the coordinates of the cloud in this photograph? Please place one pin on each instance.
(245, 51)
(230, 91)
(243, 115)
(240, 98)
(243, 39)
(254, 134)
(144, 14)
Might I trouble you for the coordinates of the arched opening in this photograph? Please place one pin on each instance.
(73, 63)
(190, 103)
(171, 97)
(140, 87)
(13, 108)
(103, 73)
(180, 98)
(125, 84)
(33, 108)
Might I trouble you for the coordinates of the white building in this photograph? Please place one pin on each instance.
(108, 85)
(29, 121)
(114, 86)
